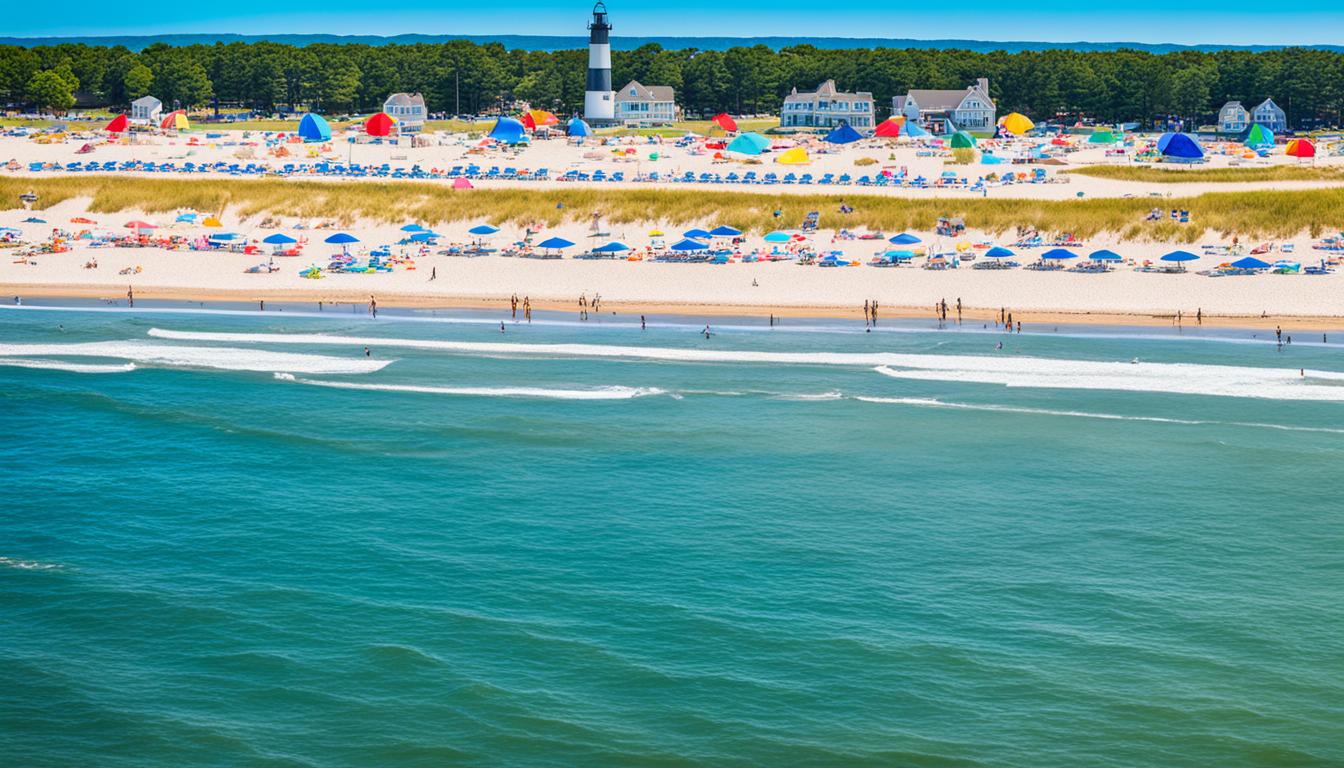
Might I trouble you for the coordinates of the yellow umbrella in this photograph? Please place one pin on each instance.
(1017, 123)
(795, 156)
(212, 221)
(655, 233)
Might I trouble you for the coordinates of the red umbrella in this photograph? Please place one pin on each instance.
(118, 124)
(724, 121)
(527, 121)
(380, 124)
(1300, 148)
(889, 128)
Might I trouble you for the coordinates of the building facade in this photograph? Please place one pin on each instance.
(969, 109)
(408, 109)
(827, 107)
(646, 105)
(1233, 118)
(147, 110)
(1271, 116)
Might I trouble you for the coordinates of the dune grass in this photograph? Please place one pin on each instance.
(1262, 214)
(1176, 175)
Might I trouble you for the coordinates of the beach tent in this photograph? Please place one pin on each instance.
(1250, 262)
(1259, 136)
(380, 124)
(1180, 256)
(119, 123)
(1300, 148)
(842, 134)
(904, 239)
(998, 252)
(1016, 123)
(1101, 136)
(1059, 253)
(461, 182)
(889, 128)
(795, 156)
(724, 231)
(689, 245)
(483, 229)
(612, 247)
(697, 234)
(1182, 146)
(314, 128)
(175, 121)
(555, 243)
(749, 144)
(962, 140)
(913, 130)
(1105, 255)
(726, 122)
(577, 127)
(508, 131)
(778, 237)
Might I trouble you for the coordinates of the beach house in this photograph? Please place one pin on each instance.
(968, 109)
(1233, 118)
(827, 107)
(1270, 115)
(646, 105)
(146, 110)
(408, 109)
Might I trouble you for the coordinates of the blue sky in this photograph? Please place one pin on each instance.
(1151, 21)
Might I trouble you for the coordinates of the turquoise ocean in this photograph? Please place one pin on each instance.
(232, 538)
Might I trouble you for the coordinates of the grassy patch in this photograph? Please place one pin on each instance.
(1175, 175)
(1264, 214)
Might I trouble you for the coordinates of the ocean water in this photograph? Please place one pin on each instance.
(234, 539)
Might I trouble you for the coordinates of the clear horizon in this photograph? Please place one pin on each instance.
(1200, 22)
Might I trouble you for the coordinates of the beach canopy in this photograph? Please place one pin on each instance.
(412, 228)
(462, 182)
(962, 140)
(118, 124)
(697, 233)
(1102, 136)
(314, 128)
(1250, 262)
(508, 131)
(724, 231)
(726, 122)
(1059, 253)
(612, 247)
(380, 124)
(795, 156)
(175, 120)
(998, 252)
(577, 127)
(1180, 256)
(778, 237)
(483, 229)
(1259, 136)
(842, 134)
(1016, 123)
(138, 225)
(1300, 148)
(279, 238)
(749, 144)
(689, 245)
(341, 238)
(225, 236)
(889, 128)
(423, 237)
(904, 238)
(554, 242)
(1105, 255)
(1180, 145)
(913, 130)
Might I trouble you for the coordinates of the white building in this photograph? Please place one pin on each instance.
(968, 109)
(408, 109)
(147, 110)
(826, 108)
(646, 105)
(1271, 116)
(1233, 118)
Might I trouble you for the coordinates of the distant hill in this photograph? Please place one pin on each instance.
(561, 43)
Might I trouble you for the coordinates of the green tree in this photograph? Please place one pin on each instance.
(137, 81)
(48, 90)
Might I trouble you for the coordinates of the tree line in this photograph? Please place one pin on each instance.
(460, 77)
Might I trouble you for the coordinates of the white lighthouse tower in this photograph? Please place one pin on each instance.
(599, 101)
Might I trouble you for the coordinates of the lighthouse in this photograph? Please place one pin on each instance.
(599, 101)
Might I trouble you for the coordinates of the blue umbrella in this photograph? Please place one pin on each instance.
(1059, 253)
(725, 231)
(1179, 256)
(483, 229)
(697, 234)
(554, 242)
(225, 236)
(33, 220)
(1250, 262)
(341, 238)
(423, 237)
(778, 237)
(998, 253)
(904, 239)
(279, 238)
(412, 228)
(690, 245)
(1104, 255)
(612, 247)
(1180, 145)
(842, 134)
(577, 127)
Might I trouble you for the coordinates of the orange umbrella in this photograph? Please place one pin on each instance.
(889, 128)
(541, 117)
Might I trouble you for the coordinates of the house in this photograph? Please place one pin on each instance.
(1233, 118)
(1271, 116)
(826, 108)
(408, 109)
(147, 110)
(968, 109)
(646, 105)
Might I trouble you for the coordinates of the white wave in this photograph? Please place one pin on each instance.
(220, 358)
(831, 395)
(28, 565)
(601, 393)
(61, 365)
(1178, 378)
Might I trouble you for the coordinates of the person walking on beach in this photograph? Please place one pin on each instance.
(958, 310)
(1199, 316)
(513, 305)
(373, 306)
(527, 309)
(866, 313)
(583, 306)
(1001, 310)
(261, 304)
(433, 273)
(1278, 333)
(1019, 327)
(642, 326)
(874, 313)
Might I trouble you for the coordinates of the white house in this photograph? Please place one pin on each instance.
(968, 109)
(1271, 116)
(408, 109)
(1233, 118)
(826, 108)
(147, 110)
(646, 105)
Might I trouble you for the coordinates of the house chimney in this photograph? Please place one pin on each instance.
(983, 84)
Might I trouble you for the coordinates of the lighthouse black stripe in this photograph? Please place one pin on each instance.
(599, 80)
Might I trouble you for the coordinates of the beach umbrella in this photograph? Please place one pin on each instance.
(212, 221)
(724, 231)
(795, 156)
(461, 182)
(279, 238)
(341, 238)
(913, 129)
(778, 237)
(689, 245)
(749, 144)
(962, 140)
(554, 242)
(889, 128)
(139, 225)
(1180, 256)
(313, 127)
(1259, 136)
(1300, 148)
(655, 233)
(1250, 262)
(412, 228)
(225, 237)
(612, 247)
(1105, 255)
(33, 220)
(119, 124)
(998, 252)
(987, 158)
(380, 124)
(577, 127)
(541, 118)
(483, 229)
(527, 121)
(1182, 146)
(1101, 136)
(1059, 253)
(423, 237)
(724, 121)
(175, 120)
(842, 134)
(1016, 123)
(508, 131)
(697, 233)
(904, 239)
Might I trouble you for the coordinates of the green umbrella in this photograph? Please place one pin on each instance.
(962, 140)
(1101, 136)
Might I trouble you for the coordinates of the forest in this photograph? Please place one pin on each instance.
(461, 77)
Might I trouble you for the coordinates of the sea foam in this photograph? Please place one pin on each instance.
(600, 393)
(62, 365)
(219, 358)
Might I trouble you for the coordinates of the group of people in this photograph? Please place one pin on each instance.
(526, 304)
(870, 313)
(585, 305)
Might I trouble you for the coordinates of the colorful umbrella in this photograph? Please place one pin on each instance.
(1300, 148)
(1016, 123)
(724, 121)
(119, 123)
(380, 124)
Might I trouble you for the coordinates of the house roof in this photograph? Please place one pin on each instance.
(645, 92)
(1268, 104)
(1236, 104)
(826, 90)
(147, 101)
(940, 100)
(405, 100)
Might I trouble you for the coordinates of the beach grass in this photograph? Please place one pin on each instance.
(1263, 214)
(1174, 175)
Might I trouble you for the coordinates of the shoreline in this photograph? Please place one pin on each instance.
(414, 301)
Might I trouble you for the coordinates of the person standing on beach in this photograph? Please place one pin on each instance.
(874, 313)
(958, 310)
(642, 326)
(1001, 310)
(1199, 316)
(373, 306)
(866, 314)
(433, 273)
(1278, 333)
(261, 305)
(1019, 327)
(513, 305)
(527, 309)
